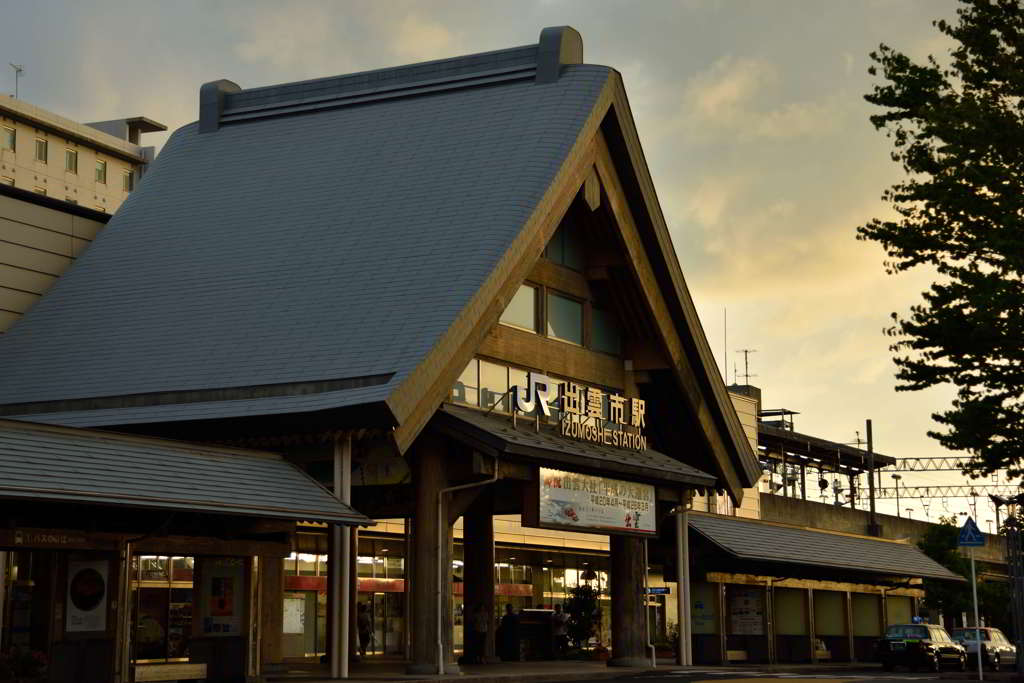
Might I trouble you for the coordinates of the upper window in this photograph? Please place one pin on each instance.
(467, 386)
(71, 160)
(42, 150)
(605, 335)
(522, 309)
(8, 138)
(565, 318)
(565, 247)
(127, 181)
(101, 172)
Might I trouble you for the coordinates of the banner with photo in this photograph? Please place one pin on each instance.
(585, 502)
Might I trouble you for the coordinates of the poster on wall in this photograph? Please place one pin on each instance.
(88, 592)
(585, 502)
(746, 611)
(223, 581)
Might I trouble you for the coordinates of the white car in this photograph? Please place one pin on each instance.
(996, 648)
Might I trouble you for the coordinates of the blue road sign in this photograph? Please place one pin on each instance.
(970, 535)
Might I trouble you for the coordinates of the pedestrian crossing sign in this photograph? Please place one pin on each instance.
(970, 535)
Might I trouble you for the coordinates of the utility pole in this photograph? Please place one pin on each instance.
(873, 529)
(897, 478)
(18, 69)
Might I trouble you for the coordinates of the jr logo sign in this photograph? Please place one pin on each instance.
(536, 394)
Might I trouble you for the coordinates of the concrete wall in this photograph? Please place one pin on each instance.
(37, 244)
(20, 168)
(821, 516)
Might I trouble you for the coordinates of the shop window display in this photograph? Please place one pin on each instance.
(161, 608)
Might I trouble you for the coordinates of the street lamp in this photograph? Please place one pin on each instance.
(897, 478)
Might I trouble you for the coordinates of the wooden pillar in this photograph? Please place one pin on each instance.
(769, 615)
(811, 630)
(849, 626)
(478, 554)
(723, 635)
(429, 477)
(628, 609)
(272, 589)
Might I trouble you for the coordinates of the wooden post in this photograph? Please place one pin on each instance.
(629, 610)
(849, 626)
(810, 626)
(429, 477)
(272, 609)
(723, 636)
(478, 552)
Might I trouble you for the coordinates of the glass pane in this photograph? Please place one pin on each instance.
(493, 386)
(7, 138)
(151, 623)
(565, 319)
(307, 565)
(522, 309)
(154, 568)
(554, 249)
(466, 387)
(572, 247)
(182, 568)
(606, 336)
(41, 151)
(71, 161)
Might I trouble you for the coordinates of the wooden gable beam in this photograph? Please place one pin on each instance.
(659, 312)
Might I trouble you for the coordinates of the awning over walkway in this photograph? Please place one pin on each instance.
(62, 464)
(769, 542)
(494, 434)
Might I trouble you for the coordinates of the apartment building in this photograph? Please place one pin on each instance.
(95, 165)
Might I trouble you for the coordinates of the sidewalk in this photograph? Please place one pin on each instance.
(542, 672)
(504, 672)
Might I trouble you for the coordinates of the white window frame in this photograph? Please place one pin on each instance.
(14, 138)
(100, 163)
(69, 153)
(46, 149)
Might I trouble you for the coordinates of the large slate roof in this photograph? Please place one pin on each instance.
(496, 433)
(333, 247)
(758, 541)
(60, 464)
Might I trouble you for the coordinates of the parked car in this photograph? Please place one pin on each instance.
(996, 648)
(919, 646)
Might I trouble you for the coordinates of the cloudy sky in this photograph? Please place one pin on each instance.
(751, 114)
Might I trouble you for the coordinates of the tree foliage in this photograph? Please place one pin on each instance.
(584, 614)
(957, 130)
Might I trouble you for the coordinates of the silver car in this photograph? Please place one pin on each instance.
(996, 648)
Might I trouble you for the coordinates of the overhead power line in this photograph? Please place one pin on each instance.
(887, 492)
(930, 464)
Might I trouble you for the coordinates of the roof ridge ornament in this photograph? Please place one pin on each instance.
(211, 103)
(558, 45)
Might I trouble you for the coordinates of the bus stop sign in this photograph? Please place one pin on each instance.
(970, 535)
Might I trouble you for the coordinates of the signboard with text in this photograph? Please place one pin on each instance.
(587, 413)
(583, 502)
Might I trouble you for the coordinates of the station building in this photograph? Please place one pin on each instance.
(416, 338)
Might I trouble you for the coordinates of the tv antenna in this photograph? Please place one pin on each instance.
(18, 70)
(746, 364)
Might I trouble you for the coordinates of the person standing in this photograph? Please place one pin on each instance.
(364, 626)
(560, 632)
(479, 624)
(510, 635)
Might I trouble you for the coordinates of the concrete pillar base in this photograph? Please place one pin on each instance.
(636, 662)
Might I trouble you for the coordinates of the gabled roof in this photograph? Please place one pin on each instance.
(60, 464)
(772, 543)
(343, 242)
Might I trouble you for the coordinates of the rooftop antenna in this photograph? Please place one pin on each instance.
(18, 69)
(746, 363)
